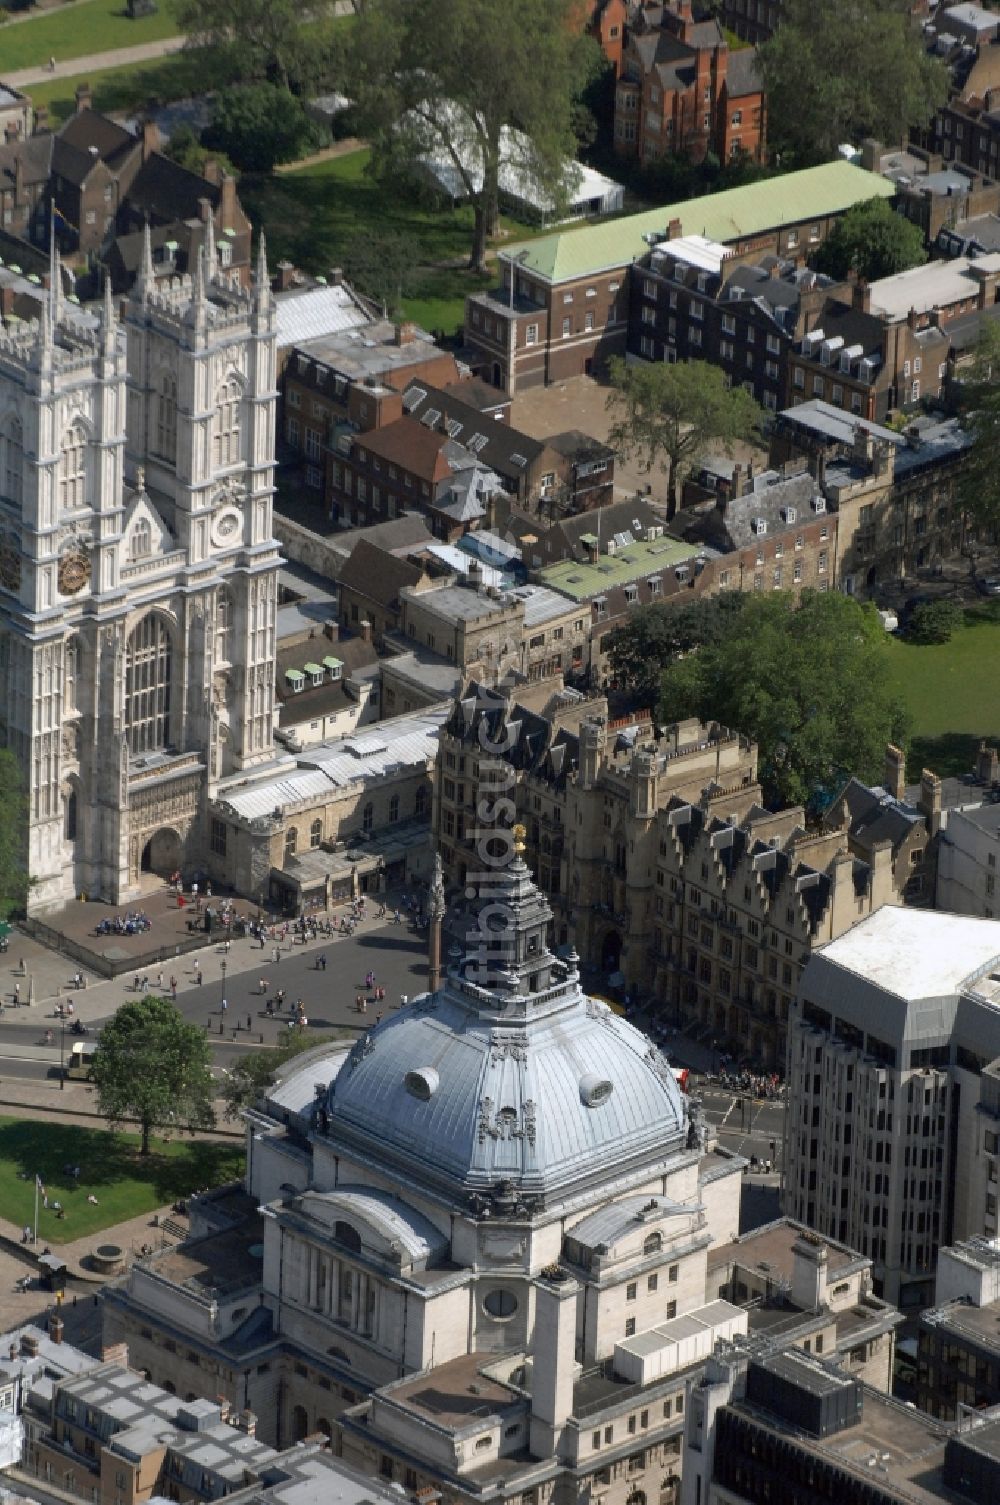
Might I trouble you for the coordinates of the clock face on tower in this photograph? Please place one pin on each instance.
(74, 571)
(226, 526)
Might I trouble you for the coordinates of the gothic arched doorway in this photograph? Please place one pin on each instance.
(611, 952)
(162, 853)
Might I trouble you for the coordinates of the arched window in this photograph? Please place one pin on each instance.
(147, 685)
(223, 625)
(653, 1244)
(368, 817)
(166, 418)
(348, 1235)
(394, 809)
(12, 446)
(70, 824)
(73, 468)
(291, 841)
(227, 424)
(71, 674)
(420, 803)
(142, 539)
(315, 833)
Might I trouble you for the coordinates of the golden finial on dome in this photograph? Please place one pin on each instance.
(519, 833)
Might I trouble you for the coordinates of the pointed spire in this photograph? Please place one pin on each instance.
(147, 277)
(109, 322)
(55, 271)
(211, 258)
(263, 276)
(198, 307)
(44, 347)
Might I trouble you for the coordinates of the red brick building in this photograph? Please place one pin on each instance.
(681, 91)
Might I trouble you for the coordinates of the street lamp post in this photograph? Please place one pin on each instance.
(62, 1057)
(223, 998)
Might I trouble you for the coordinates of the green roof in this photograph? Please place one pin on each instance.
(635, 562)
(294, 674)
(738, 212)
(333, 663)
(313, 668)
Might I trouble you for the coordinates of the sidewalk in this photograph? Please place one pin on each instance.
(144, 52)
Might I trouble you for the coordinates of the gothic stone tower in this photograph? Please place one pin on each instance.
(138, 572)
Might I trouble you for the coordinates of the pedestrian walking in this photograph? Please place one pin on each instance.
(197, 972)
(228, 944)
(173, 988)
(404, 1000)
(263, 986)
(159, 979)
(223, 1006)
(17, 992)
(249, 1022)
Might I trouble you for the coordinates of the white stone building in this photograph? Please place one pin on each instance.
(891, 1134)
(471, 1246)
(137, 571)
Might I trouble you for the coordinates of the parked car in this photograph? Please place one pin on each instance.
(990, 586)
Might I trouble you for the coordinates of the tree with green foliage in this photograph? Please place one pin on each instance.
(979, 402)
(249, 1078)
(380, 265)
(655, 635)
(667, 414)
(935, 622)
(808, 683)
(873, 241)
(839, 70)
(13, 835)
(449, 80)
(151, 1065)
(259, 38)
(186, 149)
(259, 125)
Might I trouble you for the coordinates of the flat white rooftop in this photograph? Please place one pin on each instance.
(696, 251)
(936, 285)
(916, 953)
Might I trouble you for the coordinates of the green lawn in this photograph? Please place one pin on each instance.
(79, 29)
(312, 214)
(952, 691)
(111, 1169)
(175, 77)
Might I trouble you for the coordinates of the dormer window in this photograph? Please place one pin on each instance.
(760, 525)
(295, 680)
(334, 667)
(315, 673)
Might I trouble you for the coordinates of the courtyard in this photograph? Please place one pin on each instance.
(952, 692)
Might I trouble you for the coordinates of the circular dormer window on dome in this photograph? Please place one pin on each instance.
(422, 1083)
(595, 1090)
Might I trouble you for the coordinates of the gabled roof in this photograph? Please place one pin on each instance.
(88, 128)
(743, 75)
(605, 522)
(34, 155)
(498, 445)
(731, 215)
(165, 191)
(410, 445)
(378, 575)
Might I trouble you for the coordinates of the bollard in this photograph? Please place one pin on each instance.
(261, 1037)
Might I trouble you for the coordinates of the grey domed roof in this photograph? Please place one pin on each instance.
(508, 1092)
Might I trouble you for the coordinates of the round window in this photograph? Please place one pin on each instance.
(595, 1090)
(500, 1303)
(421, 1083)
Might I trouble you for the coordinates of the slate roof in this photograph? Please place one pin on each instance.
(378, 575)
(466, 424)
(875, 815)
(621, 517)
(165, 191)
(771, 499)
(743, 75)
(318, 700)
(35, 156)
(89, 128)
